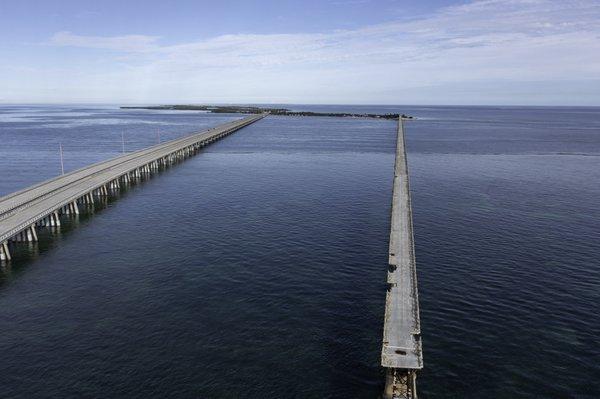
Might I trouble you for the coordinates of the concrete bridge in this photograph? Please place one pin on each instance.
(41, 205)
(401, 352)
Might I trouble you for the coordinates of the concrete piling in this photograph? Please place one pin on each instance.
(56, 219)
(4, 252)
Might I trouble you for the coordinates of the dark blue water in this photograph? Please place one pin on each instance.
(257, 268)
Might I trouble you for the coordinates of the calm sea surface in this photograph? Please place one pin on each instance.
(257, 268)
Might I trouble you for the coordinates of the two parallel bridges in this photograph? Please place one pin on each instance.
(41, 206)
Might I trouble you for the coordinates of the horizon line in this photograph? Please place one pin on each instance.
(141, 104)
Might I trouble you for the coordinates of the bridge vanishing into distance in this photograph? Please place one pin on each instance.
(401, 352)
(42, 205)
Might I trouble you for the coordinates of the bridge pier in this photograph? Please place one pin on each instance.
(103, 191)
(31, 233)
(27, 235)
(89, 199)
(54, 219)
(4, 252)
(71, 208)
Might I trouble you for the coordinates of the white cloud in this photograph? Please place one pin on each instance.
(481, 42)
(129, 43)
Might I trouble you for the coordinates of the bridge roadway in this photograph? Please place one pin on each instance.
(42, 204)
(401, 352)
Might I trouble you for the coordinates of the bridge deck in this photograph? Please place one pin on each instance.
(22, 209)
(401, 338)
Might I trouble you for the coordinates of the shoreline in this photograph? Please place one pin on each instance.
(229, 109)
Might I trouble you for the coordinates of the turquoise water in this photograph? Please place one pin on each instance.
(257, 268)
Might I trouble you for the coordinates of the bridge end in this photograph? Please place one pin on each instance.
(400, 384)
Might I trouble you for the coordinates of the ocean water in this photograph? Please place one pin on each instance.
(257, 268)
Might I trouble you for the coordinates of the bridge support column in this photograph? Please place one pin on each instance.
(54, 219)
(27, 235)
(4, 252)
(31, 234)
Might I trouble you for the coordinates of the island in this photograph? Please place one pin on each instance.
(242, 109)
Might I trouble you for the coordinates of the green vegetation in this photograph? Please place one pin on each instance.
(240, 109)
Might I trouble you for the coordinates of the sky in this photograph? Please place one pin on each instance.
(468, 52)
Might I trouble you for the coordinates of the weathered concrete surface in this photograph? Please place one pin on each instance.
(401, 347)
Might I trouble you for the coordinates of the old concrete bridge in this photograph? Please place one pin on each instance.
(401, 352)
